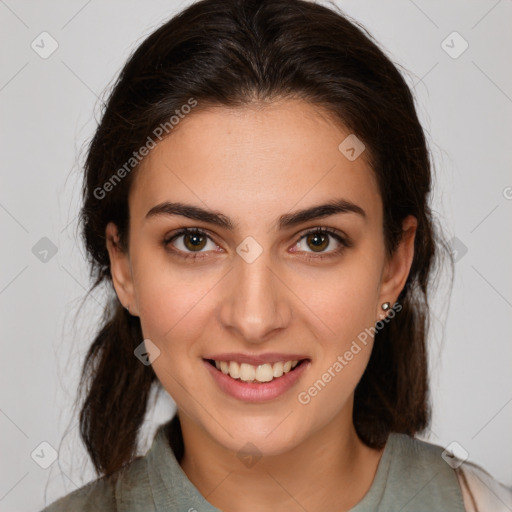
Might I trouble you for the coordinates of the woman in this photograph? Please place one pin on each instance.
(257, 196)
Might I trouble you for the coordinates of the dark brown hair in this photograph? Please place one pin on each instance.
(232, 53)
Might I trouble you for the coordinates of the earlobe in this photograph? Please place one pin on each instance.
(120, 268)
(398, 265)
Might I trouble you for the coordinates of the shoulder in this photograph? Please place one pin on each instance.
(104, 493)
(415, 477)
(482, 492)
(96, 495)
(420, 453)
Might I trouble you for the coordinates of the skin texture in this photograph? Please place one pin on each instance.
(254, 165)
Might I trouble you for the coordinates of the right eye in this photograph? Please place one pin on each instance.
(189, 242)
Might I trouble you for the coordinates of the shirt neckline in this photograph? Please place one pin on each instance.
(375, 493)
(171, 488)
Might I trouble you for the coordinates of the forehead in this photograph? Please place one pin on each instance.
(258, 159)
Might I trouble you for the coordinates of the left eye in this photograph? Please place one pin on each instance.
(319, 240)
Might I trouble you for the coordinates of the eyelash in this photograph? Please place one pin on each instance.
(343, 241)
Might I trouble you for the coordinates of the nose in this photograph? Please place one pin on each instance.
(256, 301)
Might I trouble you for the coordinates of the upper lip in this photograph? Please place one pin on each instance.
(255, 360)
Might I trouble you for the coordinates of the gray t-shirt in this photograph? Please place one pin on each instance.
(411, 477)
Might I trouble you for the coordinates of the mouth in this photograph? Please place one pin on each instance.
(260, 374)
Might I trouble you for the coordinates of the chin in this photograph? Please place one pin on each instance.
(264, 436)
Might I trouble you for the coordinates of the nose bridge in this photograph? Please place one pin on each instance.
(256, 303)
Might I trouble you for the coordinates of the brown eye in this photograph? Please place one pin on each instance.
(194, 241)
(319, 241)
(314, 244)
(189, 243)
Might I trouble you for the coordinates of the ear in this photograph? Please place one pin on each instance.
(120, 269)
(398, 265)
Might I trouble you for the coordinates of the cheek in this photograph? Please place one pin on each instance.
(342, 307)
(342, 300)
(171, 298)
(173, 316)
(344, 350)
(174, 309)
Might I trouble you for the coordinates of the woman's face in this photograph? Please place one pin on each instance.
(253, 282)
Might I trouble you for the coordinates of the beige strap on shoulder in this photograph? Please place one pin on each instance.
(480, 491)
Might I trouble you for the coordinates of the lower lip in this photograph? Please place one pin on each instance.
(257, 392)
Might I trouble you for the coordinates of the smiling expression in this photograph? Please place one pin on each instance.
(284, 254)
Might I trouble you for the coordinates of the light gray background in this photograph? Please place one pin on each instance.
(48, 110)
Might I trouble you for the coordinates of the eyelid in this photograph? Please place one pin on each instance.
(336, 233)
(189, 230)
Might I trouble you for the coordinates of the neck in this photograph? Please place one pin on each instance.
(333, 456)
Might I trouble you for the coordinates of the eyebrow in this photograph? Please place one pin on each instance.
(287, 220)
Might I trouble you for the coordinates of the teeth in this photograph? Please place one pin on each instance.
(248, 373)
(264, 373)
(277, 369)
(234, 369)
